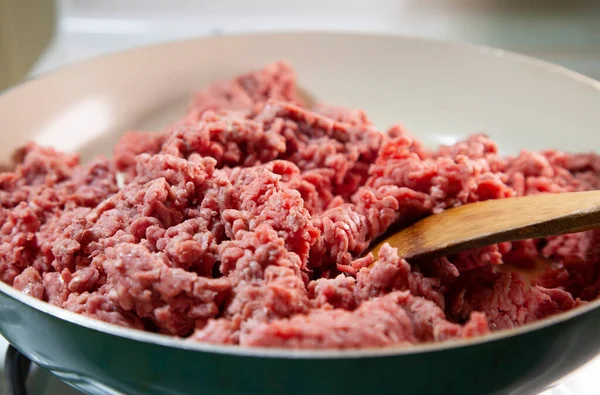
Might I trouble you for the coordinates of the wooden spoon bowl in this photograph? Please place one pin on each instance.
(494, 221)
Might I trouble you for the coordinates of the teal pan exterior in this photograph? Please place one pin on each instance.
(116, 361)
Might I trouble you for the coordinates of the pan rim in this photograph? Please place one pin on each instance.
(236, 350)
(285, 353)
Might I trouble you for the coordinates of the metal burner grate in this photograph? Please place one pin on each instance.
(16, 370)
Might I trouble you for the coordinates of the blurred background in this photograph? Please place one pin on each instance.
(38, 36)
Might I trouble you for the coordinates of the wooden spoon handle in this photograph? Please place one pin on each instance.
(494, 221)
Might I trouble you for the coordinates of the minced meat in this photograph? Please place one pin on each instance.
(245, 223)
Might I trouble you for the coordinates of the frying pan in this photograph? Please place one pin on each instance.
(441, 91)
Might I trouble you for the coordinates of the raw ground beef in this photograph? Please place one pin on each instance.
(244, 223)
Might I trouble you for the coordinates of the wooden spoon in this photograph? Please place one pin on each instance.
(494, 221)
